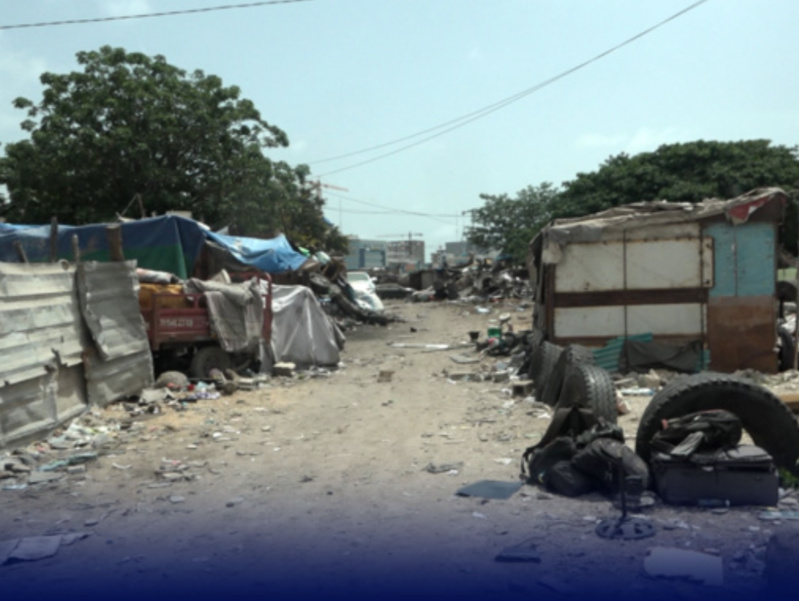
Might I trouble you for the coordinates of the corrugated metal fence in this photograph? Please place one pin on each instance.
(51, 367)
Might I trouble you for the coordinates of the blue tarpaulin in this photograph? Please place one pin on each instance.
(270, 256)
(168, 243)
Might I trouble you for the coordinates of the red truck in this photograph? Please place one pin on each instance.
(180, 334)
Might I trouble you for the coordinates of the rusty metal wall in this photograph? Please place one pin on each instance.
(41, 344)
(742, 333)
(121, 365)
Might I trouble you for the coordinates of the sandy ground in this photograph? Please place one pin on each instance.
(318, 483)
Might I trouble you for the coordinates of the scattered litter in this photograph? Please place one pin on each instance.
(464, 359)
(637, 391)
(34, 548)
(442, 468)
(42, 477)
(771, 515)
(680, 563)
(121, 467)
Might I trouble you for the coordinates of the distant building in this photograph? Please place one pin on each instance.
(404, 252)
(457, 252)
(366, 254)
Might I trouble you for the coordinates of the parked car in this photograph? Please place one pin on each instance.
(365, 292)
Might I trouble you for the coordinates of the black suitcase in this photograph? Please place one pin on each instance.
(745, 475)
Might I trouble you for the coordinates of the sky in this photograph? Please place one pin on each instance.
(342, 76)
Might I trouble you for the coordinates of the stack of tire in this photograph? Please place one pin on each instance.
(567, 377)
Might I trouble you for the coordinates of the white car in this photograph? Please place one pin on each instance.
(364, 287)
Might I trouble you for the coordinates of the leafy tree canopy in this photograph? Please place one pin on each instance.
(127, 125)
(688, 172)
(508, 224)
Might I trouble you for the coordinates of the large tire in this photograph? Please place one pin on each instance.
(207, 358)
(544, 360)
(590, 387)
(786, 291)
(571, 355)
(769, 421)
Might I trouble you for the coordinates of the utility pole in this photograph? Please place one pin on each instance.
(318, 185)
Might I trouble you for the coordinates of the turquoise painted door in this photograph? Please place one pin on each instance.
(744, 261)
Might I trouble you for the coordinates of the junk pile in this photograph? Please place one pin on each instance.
(339, 300)
(475, 281)
(688, 445)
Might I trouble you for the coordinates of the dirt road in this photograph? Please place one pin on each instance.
(318, 485)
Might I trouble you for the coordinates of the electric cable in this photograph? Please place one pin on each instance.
(459, 122)
(170, 13)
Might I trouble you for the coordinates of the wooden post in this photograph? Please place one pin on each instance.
(75, 248)
(142, 212)
(114, 235)
(23, 258)
(53, 240)
(796, 301)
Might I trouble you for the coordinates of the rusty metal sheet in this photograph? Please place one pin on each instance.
(32, 408)
(40, 320)
(742, 333)
(121, 365)
(109, 298)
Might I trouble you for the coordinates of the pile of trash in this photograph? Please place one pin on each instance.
(479, 281)
(67, 451)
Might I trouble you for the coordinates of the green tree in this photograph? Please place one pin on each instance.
(508, 224)
(687, 172)
(128, 124)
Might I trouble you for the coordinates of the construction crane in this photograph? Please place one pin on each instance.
(318, 185)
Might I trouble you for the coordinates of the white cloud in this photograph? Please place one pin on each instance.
(644, 139)
(121, 8)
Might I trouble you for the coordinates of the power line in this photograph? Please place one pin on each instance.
(434, 216)
(491, 108)
(170, 13)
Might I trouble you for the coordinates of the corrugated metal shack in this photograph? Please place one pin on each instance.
(69, 337)
(686, 273)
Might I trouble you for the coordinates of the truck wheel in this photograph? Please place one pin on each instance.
(207, 358)
(590, 387)
(543, 362)
(571, 355)
(768, 420)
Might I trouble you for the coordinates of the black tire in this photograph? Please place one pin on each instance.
(535, 338)
(786, 291)
(544, 360)
(207, 358)
(571, 355)
(590, 387)
(787, 349)
(769, 421)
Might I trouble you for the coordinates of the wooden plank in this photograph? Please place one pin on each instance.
(791, 399)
